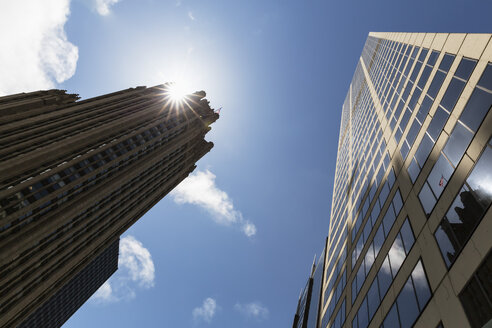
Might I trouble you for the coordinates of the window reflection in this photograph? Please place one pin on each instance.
(477, 107)
(457, 143)
(476, 297)
(411, 301)
(407, 303)
(467, 209)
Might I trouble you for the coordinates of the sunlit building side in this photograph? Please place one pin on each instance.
(410, 237)
(74, 176)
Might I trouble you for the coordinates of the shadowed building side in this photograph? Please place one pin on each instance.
(76, 174)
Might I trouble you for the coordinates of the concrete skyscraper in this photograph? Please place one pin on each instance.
(410, 236)
(74, 176)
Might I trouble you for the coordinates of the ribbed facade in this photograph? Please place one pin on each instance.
(71, 296)
(409, 242)
(76, 174)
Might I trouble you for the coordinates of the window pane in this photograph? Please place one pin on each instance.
(465, 68)
(391, 319)
(407, 236)
(373, 298)
(362, 314)
(421, 286)
(413, 170)
(480, 180)
(384, 193)
(424, 109)
(446, 62)
(437, 123)
(375, 212)
(397, 202)
(475, 303)
(408, 304)
(424, 149)
(396, 255)
(388, 220)
(369, 258)
(439, 176)
(486, 79)
(427, 199)
(476, 108)
(452, 94)
(384, 277)
(443, 236)
(436, 84)
(457, 143)
(378, 240)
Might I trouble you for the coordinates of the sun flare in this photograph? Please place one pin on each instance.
(177, 92)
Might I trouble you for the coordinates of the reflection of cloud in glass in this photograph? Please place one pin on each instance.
(386, 267)
(369, 257)
(418, 274)
(481, 177)
(397, 254)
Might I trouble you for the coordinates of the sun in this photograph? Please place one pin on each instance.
(177, 92)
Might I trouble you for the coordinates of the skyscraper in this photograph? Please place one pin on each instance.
(409, 242)
(74, 176)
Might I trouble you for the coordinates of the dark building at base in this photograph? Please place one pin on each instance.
(74, 176)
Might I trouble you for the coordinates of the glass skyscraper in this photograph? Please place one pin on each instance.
(410, 237)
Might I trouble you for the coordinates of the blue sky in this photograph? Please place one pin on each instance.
(233, 247)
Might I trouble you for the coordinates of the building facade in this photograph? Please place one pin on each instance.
(410, 237)
(74, 176)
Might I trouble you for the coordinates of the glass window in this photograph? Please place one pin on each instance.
(457, 143)
(476, 296)
(413, 170)
(446, 62)
(477, 107)
(375, 212)
(486, 79)
(391, 319)
(388, 220)
(427, 199)
(436, 84)
(424, 109)
(384, 277)
(373, 298)
(424, 149)
(411, 300)
(467, 209)
(452, 94)
(448, 250)
(408, 304)
(407, 236)
(421, 286)
(465, 68)
(362, 314)
(397, 202)
(396, 255)
(378, 240)
(439, 176)
(437, 123)
(384, 193)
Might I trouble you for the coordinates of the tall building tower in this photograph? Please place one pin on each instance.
(410, 237)
(74, 175)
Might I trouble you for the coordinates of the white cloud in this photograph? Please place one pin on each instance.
(249, 229)
(207, 311)
(252, 310)
(190, 16)
(103, 6)
(35, 50)
(200, 189)
(135, 270)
